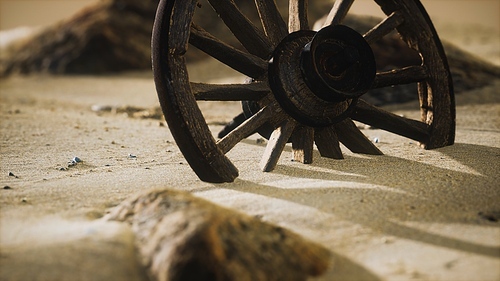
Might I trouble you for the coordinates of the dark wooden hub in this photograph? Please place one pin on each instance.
(317, 77)
(338, 64)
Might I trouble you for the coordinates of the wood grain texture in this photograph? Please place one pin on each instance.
(182, 237)
(350, 136)
(230, 92)
(243, 62)
(338, 12)
(303, 144)
(276, 144)
(247, 33)
(385, 27)
(272, 21)
(297, 15)
(328, 143)
(179, 106)
(248, 127)
(436, 92)
(381, 119)
(406, 75)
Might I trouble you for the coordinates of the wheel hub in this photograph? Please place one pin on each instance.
(318, 77)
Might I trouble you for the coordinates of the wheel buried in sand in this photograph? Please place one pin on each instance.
(306, 87)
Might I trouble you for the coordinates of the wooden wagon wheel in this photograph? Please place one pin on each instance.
(306, 86)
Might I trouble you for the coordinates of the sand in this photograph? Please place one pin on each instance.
(411, 214)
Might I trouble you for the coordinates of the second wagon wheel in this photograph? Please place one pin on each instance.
(305, 86)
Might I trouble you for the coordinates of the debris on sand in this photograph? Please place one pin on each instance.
(129, 111)
(74, 161)
(184, 232)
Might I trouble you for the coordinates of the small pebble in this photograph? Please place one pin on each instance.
(77, 160)
(24, 200)
(7, 187)
(100, 108)
(12, 175)
(375, 140)
(387, 240)
(132, 156)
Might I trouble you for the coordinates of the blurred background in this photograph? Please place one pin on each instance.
(471, 25)
(19, 13)
(103, 36)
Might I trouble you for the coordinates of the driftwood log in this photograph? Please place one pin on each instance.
(182, 237)
(111, 35)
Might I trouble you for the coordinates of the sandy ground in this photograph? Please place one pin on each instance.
(410, 214)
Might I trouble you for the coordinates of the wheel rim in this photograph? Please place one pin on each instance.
(293, 121)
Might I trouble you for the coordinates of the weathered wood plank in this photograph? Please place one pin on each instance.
(297, 15)
(406, 75)
(240, 61)
(423, 99)
(245, 31)
(338, 12)
(385, 27)
(350, 136)
(276, 144)
(230, 92)
(245, 129)
(272, 21)
(436, 93)
(303, 144)
(327, 142)
(381, 119)
(182, 114)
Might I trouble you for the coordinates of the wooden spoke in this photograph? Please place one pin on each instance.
(243, 62)
(327, 142)
(410, 74)
(297, 15)
(274, 25)
(354, 139)
(338, 12)
(423, 97)
(384, 27)
(276, 144)
(230, 92)
(303, 144)
(245, 129)
(378, 118)
(245, 31)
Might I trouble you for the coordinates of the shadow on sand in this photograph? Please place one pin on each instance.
(412, 191)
